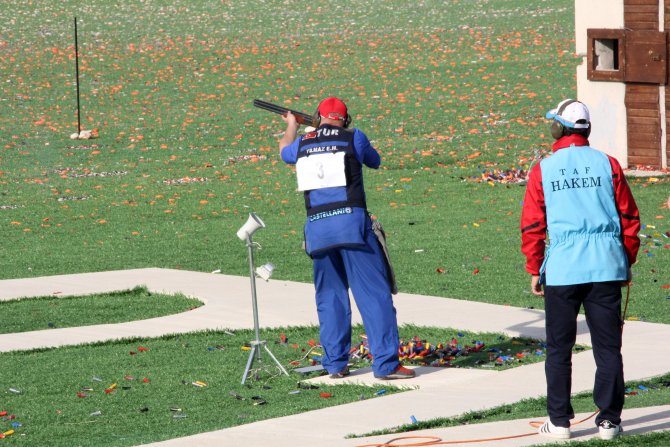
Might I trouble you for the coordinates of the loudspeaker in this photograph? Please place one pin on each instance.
(252, 224)
(265, 271)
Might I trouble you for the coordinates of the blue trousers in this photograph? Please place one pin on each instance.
(602, 307)
(362, 269)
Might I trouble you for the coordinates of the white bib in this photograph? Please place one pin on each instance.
(323, 170)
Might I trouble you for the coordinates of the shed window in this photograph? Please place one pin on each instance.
(605, 55)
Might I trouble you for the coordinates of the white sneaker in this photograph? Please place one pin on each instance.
(550, 430)
(609, 430)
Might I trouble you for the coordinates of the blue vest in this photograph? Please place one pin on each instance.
(336, 216)
(582, 220)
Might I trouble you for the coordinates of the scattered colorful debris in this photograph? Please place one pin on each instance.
(185, 181)
(651, 241)
(247, 157)
(504, 176)
(421, 352)
(9, 417)
(67, 173)
(258, 400)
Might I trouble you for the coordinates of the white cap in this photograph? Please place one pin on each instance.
(571, 113)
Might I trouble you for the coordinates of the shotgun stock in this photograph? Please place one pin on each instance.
(300, 117)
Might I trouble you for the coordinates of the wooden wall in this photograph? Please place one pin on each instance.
(666, 21)
(640, 14)
(642, 100)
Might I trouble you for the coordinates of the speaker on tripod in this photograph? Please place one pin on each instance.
(245, 233)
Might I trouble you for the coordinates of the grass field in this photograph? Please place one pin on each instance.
(182, 157)
(136, 391)
(49, 312)
(443, 92)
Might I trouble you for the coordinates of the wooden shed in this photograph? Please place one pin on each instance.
(624, 76)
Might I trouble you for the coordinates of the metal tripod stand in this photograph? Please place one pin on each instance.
(257, 343)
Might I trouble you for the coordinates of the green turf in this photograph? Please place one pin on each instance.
(443, 92)
(33, 314)
(183, 156)
(55, 393)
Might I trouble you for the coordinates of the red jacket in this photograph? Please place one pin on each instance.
(533, 216)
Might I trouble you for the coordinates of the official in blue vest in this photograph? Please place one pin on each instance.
(580, 196)
(339, 239)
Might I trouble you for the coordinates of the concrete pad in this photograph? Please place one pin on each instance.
(227, 304)
(520, 432)
(646, 173)
(430, 377)
(435, 392)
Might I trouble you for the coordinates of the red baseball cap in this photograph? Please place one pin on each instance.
(333, 108)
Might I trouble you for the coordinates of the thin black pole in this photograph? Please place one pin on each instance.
(76, 59)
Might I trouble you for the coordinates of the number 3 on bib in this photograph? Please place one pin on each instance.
(321, 171)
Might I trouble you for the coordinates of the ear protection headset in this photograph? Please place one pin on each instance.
(558, 129)
(347, 120)
(316, 118)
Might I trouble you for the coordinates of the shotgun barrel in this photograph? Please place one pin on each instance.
(300, 117)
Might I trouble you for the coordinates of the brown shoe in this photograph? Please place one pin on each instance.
(400, 373)
(341, 374)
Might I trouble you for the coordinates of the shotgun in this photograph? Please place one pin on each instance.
(300, 117)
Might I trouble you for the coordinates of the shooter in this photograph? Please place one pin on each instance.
(340, 239)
